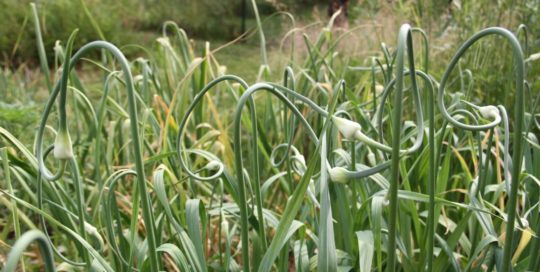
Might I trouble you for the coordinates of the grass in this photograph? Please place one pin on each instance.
(319, 155)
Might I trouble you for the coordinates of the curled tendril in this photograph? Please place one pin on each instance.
(466, 115)
(418, 106)
(298, 161)
(183, 39)
(62, 149)
(214, 164)
(518, 122)
(247, 96)
(461, 51)
(355, 128)
(288, 77)
(183, 123)
(109, 206)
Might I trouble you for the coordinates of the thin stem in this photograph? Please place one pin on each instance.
(264, 57)
(41, 49)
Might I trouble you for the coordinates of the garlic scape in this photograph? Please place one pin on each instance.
(214, 165)
(340, 174)
(63, 149)
(353, 131)
(487, 112)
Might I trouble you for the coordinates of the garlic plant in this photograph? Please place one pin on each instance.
(173, 164)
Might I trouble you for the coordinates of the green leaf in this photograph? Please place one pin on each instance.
(365, 250)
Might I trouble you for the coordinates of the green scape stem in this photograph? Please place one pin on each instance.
(432, 183)
(419, 114)
(187, 114)
(289, 81)
(80, 205)
(404, 43)
(425, 43)
(59, 89)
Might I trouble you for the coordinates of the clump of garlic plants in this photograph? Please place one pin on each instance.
(179, 166)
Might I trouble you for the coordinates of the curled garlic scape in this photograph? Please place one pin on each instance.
(338, 174)
(213, 165)
(349, 129)
(487, 112)
(353, 131)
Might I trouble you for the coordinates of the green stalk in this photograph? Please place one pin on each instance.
(426, 47)
(525, 30)
(404, 43)
(80, 206)
(41, 49)
(288, 123)
(99, 125)
(431, 143)
(373, 86)
(63, 146)
(264, 56)
(198, 118)
(431, 179)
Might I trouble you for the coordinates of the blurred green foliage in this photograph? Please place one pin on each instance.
(121, 22)
(139, 21)
(18, 109)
